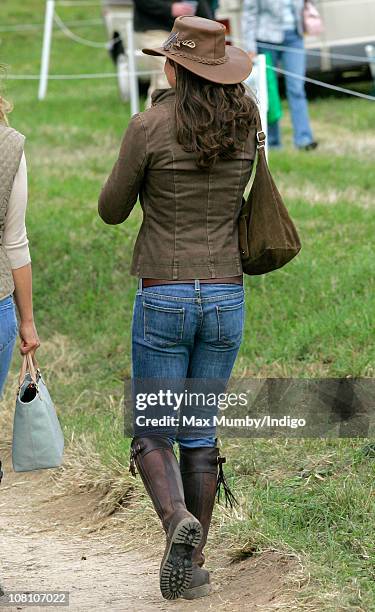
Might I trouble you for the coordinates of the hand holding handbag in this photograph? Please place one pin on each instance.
(38, 441)
(268, 238)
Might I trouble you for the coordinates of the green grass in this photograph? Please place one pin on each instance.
(313, 318)
(321, 505)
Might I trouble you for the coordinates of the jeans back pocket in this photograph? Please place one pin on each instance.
(230, 322)
(163, 326)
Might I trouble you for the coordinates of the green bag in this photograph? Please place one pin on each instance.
(38, 441)
(275, 111)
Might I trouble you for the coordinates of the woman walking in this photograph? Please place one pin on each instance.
(276, 27)
(15, 266)
(188, 158)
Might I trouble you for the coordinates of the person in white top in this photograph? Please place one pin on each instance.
(15, 244)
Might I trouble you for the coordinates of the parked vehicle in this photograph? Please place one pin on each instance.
(349, 28)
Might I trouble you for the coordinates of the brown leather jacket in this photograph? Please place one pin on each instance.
(190, 216)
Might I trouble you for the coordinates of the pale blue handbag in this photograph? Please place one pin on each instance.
(38, 441)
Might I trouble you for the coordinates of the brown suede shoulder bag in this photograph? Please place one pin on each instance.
(268, 238)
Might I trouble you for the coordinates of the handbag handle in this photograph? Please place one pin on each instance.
(260, 162)
(28, 364)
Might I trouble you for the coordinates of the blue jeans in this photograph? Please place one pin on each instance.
(184, 332)
(292, 61)
(8, 335)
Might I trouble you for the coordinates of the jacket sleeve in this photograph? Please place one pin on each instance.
(159, 8)
(249, 24)
(121, 190)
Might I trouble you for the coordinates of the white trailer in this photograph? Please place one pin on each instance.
(349, 26)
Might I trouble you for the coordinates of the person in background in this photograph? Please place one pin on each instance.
(15, 263)
(280, 23)
(153, 20)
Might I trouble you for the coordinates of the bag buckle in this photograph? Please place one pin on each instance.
(261, 139)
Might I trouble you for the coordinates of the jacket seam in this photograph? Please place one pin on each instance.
(174, 260)
(234, 224)
(211, 265)
(144, 207)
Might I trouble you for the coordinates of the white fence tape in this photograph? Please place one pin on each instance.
(350, 92)
(112, 75)
(21, 27)
(99, 22)
(77, 77)
(78, 39)
(306, 51)
(77, 3)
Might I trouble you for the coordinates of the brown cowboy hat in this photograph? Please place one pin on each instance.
(198, 45)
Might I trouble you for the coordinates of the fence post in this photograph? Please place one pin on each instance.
(133, 79)
(47, 38)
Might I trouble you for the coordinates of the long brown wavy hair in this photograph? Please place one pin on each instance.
(212, 120)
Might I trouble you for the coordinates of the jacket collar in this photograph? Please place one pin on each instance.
(162, 95)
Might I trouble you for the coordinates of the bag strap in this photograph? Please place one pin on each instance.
(261, 160)
(28, 364)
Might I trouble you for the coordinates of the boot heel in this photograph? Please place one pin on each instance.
(176, 570)
(198, 591)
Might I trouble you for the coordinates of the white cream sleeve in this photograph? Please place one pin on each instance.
(15, 239)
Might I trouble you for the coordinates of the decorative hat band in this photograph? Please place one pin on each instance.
(174, 40)
(173, 45)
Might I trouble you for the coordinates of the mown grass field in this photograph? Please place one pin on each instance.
(312, 319)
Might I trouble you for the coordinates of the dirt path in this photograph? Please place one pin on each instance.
(46, 545)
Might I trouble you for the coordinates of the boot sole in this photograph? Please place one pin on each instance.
(176, 570)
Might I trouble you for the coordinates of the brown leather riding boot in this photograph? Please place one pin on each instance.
(199, 468)
(160, 472)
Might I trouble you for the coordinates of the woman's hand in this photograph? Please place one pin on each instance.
(29, 338)
(182, 8)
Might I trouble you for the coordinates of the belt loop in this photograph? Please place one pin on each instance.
(140, 287)
(197, 284)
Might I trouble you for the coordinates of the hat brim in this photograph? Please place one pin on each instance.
(235, 70)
